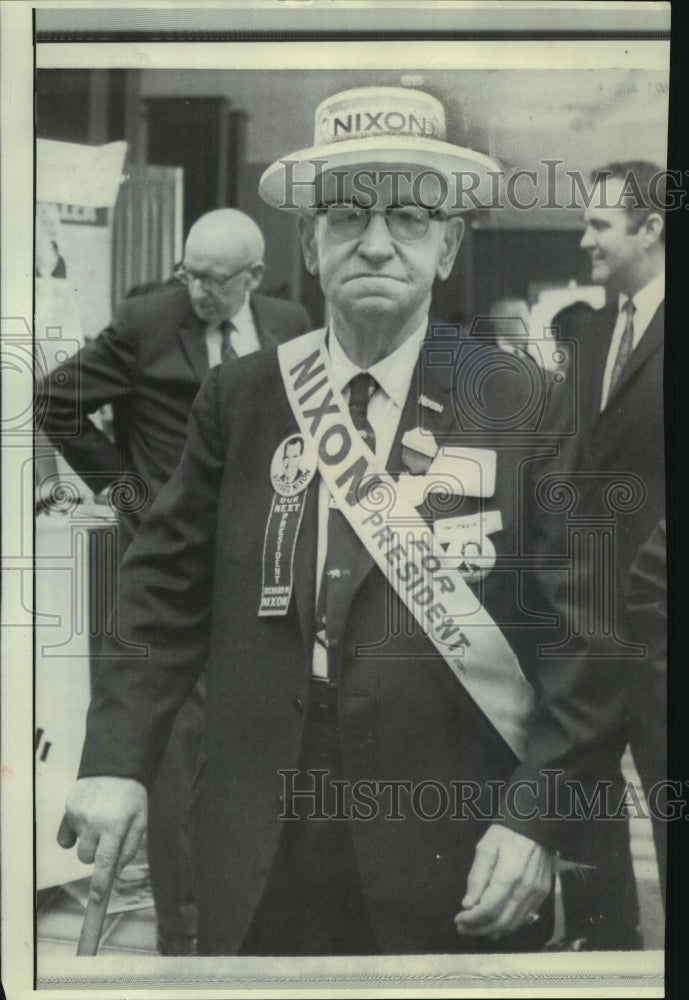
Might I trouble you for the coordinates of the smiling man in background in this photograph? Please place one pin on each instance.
(620, 376)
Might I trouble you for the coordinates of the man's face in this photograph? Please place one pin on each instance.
(216, 290)
(375, 275)
(616, 251)
(291, 460)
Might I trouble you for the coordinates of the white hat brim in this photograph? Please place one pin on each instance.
(299, 170)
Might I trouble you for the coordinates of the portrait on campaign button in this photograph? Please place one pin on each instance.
(293, 466)
(477, 559)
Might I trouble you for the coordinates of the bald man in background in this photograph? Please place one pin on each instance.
(149, 363)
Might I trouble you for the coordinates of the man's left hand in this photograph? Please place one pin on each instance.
(509, 879)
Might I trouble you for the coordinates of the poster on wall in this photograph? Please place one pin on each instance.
(76, 187)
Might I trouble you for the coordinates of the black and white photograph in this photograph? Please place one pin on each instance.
(335, 484)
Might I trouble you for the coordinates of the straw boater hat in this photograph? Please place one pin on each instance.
(375, 126)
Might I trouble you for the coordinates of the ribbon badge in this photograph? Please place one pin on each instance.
(293, 467)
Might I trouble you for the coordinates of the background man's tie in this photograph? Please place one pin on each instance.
(227, 351)
(343, 544)
(626, 345)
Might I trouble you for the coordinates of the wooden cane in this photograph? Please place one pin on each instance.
(94, 918)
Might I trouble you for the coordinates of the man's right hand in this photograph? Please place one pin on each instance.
(108, 816)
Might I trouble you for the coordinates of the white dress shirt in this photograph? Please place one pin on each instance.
(393, 375)
(646, 303)
(243, 336)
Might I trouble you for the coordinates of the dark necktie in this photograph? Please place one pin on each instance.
(343, 546)
(227, 351)
(626, 345)
(361, 388)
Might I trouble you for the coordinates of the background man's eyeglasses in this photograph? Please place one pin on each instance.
(208, 282)
(405, 222)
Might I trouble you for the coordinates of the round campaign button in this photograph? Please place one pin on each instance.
(293, 466)
(477, 558)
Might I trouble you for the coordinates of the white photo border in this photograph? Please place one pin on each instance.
(543, 975)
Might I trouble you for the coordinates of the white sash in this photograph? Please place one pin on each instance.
(403, 546)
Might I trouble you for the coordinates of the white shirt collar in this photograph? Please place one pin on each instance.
(393, 373)
(243, 315)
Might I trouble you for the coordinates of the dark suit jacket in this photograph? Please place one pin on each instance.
(149, 363)
(191, 591)
(627, 436)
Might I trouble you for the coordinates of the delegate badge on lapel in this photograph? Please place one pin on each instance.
(418, 451)
(467, 538)
(291, 470)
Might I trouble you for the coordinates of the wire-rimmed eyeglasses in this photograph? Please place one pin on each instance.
(405, 222)
(209, 282)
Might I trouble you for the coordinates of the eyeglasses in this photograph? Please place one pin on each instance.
(208, 282)
(405, 222)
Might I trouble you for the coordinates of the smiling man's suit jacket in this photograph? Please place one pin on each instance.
(191, 592)
(627, 436)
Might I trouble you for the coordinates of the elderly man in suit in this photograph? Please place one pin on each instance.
(620, 374)
(152, 358)
(149, 364)
(379, 715)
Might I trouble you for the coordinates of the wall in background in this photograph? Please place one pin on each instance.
(583, 118)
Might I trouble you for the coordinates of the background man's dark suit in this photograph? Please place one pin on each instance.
(625, 437)
(193, 579)
(149, 364)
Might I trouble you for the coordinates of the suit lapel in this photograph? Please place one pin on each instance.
(305, 565)
(593, 345)
(651, 342)
(428, 406)
(191, 334)
(264, 323)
